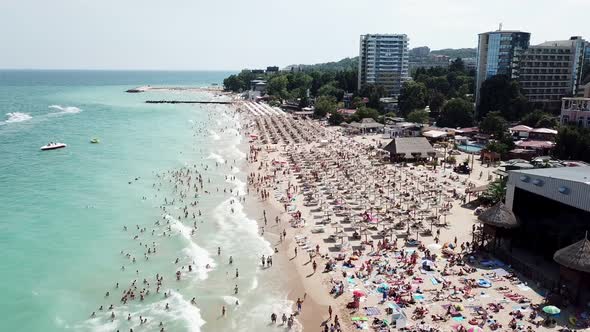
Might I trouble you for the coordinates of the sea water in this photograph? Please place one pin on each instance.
(62, 212)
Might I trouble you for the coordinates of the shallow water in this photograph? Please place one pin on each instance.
(63, 211)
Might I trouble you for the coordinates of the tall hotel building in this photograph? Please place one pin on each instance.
(384, 61)
(552, 70)
(499, 53)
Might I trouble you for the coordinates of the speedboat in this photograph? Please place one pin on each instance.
(94, 141)
(53, 146)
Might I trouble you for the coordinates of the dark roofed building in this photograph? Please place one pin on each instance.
(367, 125)
(414, 148)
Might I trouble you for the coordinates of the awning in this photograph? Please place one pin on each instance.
(476, 189)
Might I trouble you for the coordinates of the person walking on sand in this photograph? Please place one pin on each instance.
(330, 311)
(315, 266)
(295, 251)
(299, 305)
(222, 311)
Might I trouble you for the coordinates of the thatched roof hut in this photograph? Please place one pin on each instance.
(575, 256)
(499, 221)
(499, 216)
(410, 148)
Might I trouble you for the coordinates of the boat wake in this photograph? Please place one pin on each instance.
(15, 117)
(65, 109)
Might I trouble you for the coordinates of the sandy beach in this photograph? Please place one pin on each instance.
(385, 246)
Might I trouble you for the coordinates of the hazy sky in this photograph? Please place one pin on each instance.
(233, 34)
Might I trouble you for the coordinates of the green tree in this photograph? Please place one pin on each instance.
(373, 93)
(539, 119)
(331, 89)
(457, 65)
(500, 93)
(366, 112)
(324, 105)
(547, 121)
(418, 116)
(494, 124)
(437, 100)
(457, 112)
(277, 86)
(572, 143)
(413, 96)
(232, 83)
(496, 191)
(335, 119)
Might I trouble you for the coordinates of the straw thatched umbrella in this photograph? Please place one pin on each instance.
(498, 221)
(500, 216)
(575, 256)
(575, 266)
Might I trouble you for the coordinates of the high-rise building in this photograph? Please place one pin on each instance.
(552, 70)
(498, 53)
(383, 61)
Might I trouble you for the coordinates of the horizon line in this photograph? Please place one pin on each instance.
(117, 69)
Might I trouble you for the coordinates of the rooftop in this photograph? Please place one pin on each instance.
(556, 43)
(409, 145)
(580, 174)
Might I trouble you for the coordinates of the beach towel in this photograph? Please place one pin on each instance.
(372, 311)
(459, 318)
(357, 319)
(500, 272)
(434, 281)
(418, 297)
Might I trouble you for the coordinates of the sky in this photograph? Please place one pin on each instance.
(236, 34)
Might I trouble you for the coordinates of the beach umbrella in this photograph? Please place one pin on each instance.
(434, 246)
(551, 310)
(358, 293)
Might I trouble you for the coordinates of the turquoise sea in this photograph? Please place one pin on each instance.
(63, 212)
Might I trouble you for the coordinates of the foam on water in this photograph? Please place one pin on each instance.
(14, 117)
(214, 135)
(198, 255)
(180, 312)
(65, 109)
(262, 310)
(216, 157)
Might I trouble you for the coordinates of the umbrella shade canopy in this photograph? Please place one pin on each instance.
(575, 256)
(434, 246)
(551, 310)
(358, 293)
(499, 215)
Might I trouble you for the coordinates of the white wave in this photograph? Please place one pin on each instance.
(14, 117)
(216, 157)
(261, 311)
(214, 135)
(65, 109)
(198, 255)
(237, 225)
(231, 300)
(180, 312)
(254, 283)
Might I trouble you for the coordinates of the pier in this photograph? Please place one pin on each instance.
(187, 102)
